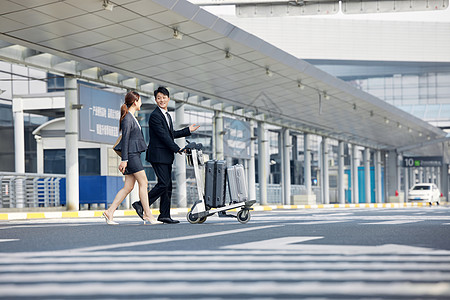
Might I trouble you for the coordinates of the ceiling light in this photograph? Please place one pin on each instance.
(326, 96)
(177, 35)
(296, 2)
(420, 133)
(409, 130)
(228, 55)
(300, 85)
(107, 5)
(77, 106)
(399, 125)
(268, 72)
(386, 120)
(428, 138)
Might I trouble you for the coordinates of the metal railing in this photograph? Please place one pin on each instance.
(274, 193)
(29, 190)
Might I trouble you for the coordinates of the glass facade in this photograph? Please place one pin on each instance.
(420, 89)
(88, 161)
(426, 96)
(19, 80)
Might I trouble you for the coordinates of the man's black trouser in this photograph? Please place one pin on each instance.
(163, 189)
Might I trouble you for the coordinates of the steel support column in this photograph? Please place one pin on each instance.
(307, 166)
(378, 181)
(251, 164)
(391, 173)
(341, 174)
(218, 121)
(325, 177)
(355, 188)
(262, 163)
(286, 167)
(367, 175)
(71, 122)
(180, 161)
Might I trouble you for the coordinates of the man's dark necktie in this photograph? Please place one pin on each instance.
(170, 122)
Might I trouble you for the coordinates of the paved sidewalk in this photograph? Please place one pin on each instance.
(175, 211)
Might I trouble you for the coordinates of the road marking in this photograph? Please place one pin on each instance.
(221, 255)
(228, 288)
(44, 225)
(317, 222)
(290, 243)
(8, 240)
(186, 266)
(181, 238)
(205, 274)
(393, 222)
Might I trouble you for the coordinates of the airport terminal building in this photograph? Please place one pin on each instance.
(312, 121)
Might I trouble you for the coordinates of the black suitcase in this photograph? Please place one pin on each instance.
(215, 183)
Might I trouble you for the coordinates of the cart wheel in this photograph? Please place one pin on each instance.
(191, 218)
(243, 216)
(202, 220)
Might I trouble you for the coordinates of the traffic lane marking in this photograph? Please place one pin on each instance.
(8, 240)
(174, 239)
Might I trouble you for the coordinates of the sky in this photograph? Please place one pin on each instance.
(420, 16)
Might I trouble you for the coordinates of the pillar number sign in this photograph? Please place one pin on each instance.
(421, 161)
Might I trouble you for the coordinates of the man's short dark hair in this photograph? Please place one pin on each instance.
(161, 90)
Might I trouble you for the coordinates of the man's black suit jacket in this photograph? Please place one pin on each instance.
(162, 148)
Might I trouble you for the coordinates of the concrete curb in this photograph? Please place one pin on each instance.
(175, 211)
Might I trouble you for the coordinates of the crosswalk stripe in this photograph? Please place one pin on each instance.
(209, 256)
(206, 275)
(227, 288)
(227, 266)
(215, 273)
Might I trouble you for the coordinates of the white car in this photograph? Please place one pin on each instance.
(425, 192)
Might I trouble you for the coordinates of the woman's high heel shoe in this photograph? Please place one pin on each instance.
(152, 221)
(108, 221)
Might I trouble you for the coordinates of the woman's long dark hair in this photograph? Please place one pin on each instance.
(130, 98)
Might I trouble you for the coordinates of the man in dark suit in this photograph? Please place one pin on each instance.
(161, 153)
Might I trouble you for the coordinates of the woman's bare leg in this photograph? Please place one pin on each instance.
(127, 188)
(143, 194)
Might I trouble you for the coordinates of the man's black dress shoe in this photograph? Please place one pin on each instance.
(139, 209)
(168, 220)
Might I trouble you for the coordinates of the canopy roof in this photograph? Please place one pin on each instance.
(211, 63)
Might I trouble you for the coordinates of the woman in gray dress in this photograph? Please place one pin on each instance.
(132, 145)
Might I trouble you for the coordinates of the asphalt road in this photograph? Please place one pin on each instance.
(374, 253)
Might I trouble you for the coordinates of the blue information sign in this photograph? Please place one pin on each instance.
(100, 115)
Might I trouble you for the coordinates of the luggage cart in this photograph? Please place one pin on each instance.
(200, 211)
